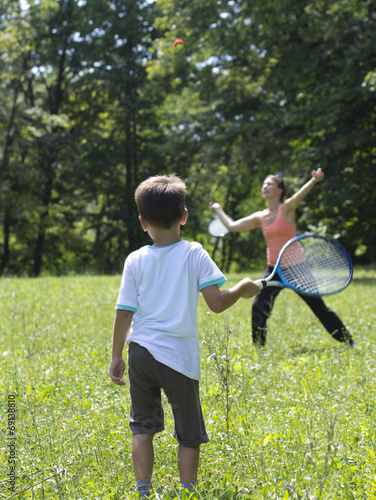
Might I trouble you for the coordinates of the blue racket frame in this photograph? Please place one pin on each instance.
(286, 284)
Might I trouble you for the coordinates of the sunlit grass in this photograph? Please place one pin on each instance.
(294, 418)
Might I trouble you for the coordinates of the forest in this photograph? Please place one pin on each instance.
(95, 97)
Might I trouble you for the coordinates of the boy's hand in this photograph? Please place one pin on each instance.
(318, 175)
(117, 370)
(250, 288)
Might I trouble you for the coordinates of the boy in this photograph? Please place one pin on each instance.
(159, 294)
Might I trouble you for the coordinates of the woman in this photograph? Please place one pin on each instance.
(278, 225)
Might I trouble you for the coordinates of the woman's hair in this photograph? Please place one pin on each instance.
(281, 184)
(161, 200)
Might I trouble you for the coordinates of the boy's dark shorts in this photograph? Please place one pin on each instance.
(146, 377)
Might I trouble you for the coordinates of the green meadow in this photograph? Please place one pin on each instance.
(295, 419)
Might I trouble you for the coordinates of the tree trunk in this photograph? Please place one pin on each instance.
(5, 255)
(39, 246)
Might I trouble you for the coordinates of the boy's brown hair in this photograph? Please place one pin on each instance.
(161, 200)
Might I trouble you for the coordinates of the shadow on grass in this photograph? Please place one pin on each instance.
(300, 350)
(364, 280)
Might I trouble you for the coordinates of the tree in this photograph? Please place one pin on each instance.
(80, 134)
(95, 98)
(287, 87)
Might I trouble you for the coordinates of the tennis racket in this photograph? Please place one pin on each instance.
(216, 227)
(313, 265)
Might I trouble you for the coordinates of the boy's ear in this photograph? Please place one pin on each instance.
(144, 223)
(184, 218)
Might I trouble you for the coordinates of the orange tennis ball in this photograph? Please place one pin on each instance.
(178, 41)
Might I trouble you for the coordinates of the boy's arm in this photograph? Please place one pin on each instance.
(218, 301)
(122, 324)
(292, 203)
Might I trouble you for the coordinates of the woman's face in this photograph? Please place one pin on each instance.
(270, 189)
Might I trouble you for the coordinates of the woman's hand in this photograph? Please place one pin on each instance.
(214, 206)
(318, 175)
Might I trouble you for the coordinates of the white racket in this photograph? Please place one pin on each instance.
(216, 227)
(313, 265)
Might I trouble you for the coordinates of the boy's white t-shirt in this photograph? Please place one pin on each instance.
(161, 286)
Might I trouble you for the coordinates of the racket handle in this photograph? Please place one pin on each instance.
(261, 283)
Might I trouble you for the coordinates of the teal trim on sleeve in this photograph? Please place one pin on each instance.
(219, 281)
(125, 308)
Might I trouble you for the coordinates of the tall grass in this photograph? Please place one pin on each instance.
(295, 419)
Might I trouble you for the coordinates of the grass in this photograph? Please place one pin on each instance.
(295, 419)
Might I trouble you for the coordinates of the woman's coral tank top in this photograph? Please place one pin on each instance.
(276, 235)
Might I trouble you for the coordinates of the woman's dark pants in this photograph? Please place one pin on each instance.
(264, 302)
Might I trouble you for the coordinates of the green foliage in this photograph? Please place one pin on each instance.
(95, 98)
(302, 412)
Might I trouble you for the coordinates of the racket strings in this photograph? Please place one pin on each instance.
(315, 265)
